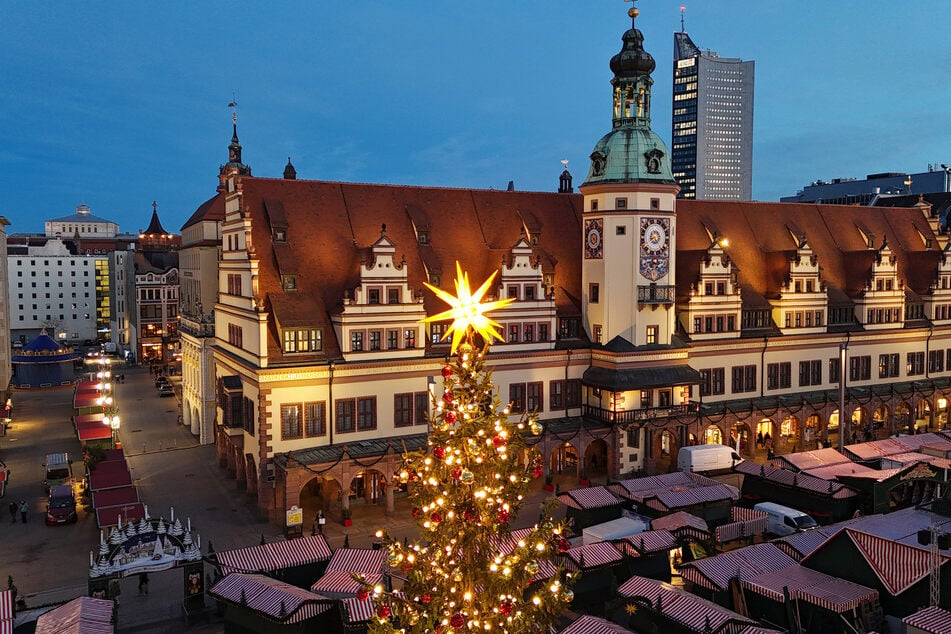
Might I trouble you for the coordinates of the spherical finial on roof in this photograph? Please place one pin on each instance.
(633, 12)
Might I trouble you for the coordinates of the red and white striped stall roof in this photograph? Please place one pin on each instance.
(816, 458)
(358, 560)
(678, 605)
(933, 620)
(680, 520)
(811, 586)
(590, 498)
(6, 612)
(84, 615)
(681, 497)
(361, 610)
(913, 457)
(275, 556)
(801, 545)
(272, 598)
(595, 556)
(588, 624)
(898, 566)
(715, 573)
(648, 543)
(890, 446)
(746, 523)
(803, 481)
(338, 584)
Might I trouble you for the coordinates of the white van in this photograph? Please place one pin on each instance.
(707, 459)
(782, 520)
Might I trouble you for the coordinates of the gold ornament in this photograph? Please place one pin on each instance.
(536, 427)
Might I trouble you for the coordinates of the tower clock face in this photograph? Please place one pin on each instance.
(655, 248)
(655, 237)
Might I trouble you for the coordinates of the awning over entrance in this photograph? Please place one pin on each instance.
(640, 378)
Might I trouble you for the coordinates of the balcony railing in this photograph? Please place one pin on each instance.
(654, 294)
(638, 415)
(197, 327)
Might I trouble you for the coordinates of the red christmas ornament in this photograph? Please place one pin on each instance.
(563, 545)
(506, 608)
(469, 516)
(503, 516)
(450, 418)
(447, 396)
(362, 594)
(498, 441)
(439, 453)
(406, 566)
(456, 472)
(426, 598)
(383, 611)
(447, 371)
(416, 512)
(436, 517)
(537, 471)
(457, 620)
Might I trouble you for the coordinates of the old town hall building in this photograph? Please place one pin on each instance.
(643, 323)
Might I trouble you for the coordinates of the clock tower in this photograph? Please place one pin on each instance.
(629, 216)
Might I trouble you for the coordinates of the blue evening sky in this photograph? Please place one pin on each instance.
(117, 104)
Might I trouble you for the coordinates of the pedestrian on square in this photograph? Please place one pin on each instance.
(24, 507)
(144, 583)
(13, 512)
(321, 520)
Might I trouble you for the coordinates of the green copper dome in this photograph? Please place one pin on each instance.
(631, 152)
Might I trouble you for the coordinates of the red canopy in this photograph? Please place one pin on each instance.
(109, 516)
(114, 497)
(88, 418)
(111, 474)
(93, 430)
(86, 399)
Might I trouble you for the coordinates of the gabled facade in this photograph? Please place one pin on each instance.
(643, 322)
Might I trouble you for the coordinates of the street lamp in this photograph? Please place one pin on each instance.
(113, 422)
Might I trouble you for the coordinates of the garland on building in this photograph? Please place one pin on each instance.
(469, 572)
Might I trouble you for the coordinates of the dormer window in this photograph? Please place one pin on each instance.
(392, 296)
(289, 282)
(424, 237)
(373, 296)
(303, 340)
(279, 235)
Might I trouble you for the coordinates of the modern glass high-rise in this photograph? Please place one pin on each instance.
(712, 123)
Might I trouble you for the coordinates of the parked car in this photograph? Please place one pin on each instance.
(61, 508)
(166, 390)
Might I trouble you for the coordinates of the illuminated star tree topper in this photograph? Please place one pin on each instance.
(467, 311)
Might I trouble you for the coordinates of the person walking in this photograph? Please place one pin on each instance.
(321, 520)
(24, 507)
(144, 583)
(13, 512)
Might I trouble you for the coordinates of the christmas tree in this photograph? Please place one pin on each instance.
(470, 571)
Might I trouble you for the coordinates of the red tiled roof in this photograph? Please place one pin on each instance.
(331, 224)
(211, 209)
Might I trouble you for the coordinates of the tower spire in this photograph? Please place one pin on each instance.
(234, 164)
(683, 10)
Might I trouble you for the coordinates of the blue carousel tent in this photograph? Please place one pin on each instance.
(43, 363)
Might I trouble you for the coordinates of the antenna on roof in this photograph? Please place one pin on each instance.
(683, 10)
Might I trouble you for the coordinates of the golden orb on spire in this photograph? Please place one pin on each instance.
(633, 12)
